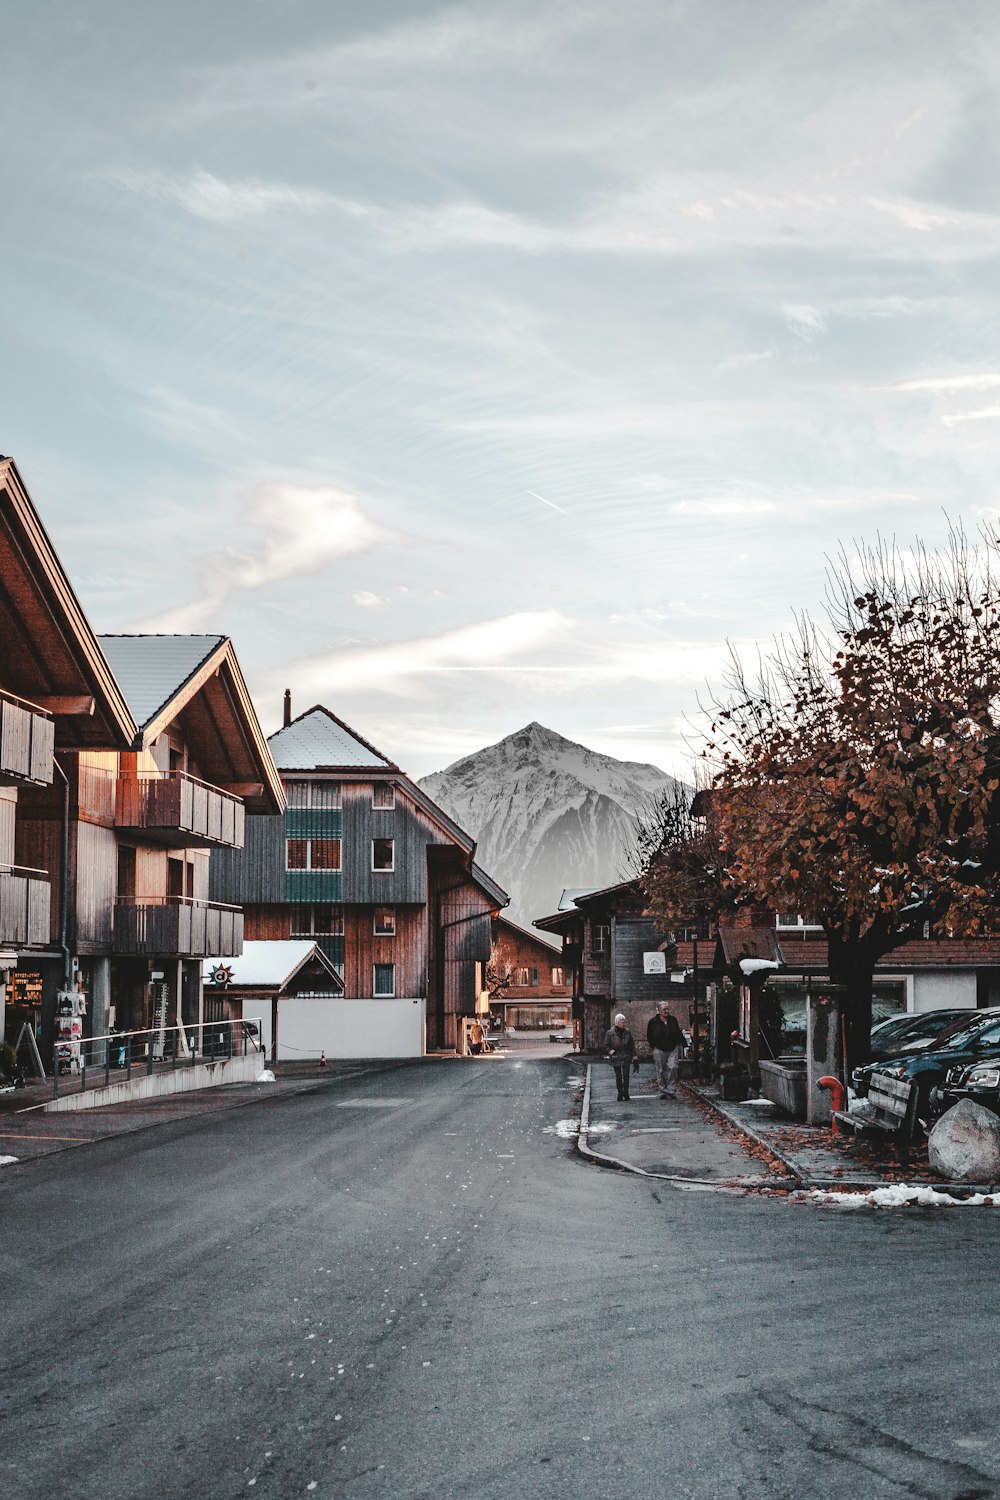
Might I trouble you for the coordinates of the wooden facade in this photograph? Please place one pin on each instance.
(123, 760)
(367, 865)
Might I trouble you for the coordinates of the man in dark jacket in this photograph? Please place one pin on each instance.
(665, 1038)
(619, 1044)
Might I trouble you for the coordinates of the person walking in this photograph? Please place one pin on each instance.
(619, 1044)
(665, 1039)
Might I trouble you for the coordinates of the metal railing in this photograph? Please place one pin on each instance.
(120, 1055)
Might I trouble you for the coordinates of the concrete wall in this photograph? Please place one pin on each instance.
(942, 991)
(175, 1081)
(310, 1025)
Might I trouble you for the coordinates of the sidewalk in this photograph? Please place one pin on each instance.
(813, 1153)
(29, 1134)
(679, 1137)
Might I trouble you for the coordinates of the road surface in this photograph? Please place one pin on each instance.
(404, 1284)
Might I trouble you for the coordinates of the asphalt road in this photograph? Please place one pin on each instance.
(401, 1285)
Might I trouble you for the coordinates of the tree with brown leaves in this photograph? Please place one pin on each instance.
(855, 777)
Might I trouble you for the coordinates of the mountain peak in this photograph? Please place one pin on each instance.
(547, 812)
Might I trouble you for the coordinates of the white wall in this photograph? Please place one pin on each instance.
(309, 1025)
(952, 990)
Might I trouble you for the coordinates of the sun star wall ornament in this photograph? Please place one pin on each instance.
(221, 975)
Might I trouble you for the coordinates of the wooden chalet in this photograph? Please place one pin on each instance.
(265, 980)
(367, 865)
(619, 960)
(123, 761)
(533, 989)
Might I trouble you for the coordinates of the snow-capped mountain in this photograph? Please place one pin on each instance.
(547, 813)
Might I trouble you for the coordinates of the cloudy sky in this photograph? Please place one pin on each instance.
(478, 363)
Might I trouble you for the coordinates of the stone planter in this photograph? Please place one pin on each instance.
(784, 1083)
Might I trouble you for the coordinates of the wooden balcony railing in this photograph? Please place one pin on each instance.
(178, 809)
(179, 927)
(24, 906)
(27, 742)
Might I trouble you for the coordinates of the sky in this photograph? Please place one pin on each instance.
(474, 364)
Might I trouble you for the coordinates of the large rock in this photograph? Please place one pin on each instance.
(964, 1145)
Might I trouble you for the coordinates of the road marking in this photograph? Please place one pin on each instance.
(371, 1103)
(655, 1130)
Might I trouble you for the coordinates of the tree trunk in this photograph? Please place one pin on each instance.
(852, 969)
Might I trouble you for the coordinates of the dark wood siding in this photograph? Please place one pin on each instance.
(407, 951)
(254, 874)
(410, 832)
(634, 936)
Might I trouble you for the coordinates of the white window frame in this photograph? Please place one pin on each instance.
(375, 928)
(384, 869)
(309, 840)
(303, 931)
(799, 925)
(381, 786)
(383, 994)
(604, 946)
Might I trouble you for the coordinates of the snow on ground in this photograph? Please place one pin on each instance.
(567, 1130)
(266, 1077)
(7, 1161)
(900, 1195)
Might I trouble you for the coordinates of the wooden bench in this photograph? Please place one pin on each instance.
(893, 1104)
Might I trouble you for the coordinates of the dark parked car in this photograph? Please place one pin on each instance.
(978, 1081)
(909, 1033)
(973, 1039)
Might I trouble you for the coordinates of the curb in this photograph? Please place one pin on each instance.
(601, 1158)
(786, 1161)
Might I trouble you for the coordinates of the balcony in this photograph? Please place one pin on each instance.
(179, 810)
(24, 907)
(27, 741)
(178, 927)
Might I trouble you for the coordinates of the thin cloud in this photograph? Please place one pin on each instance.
(303, 528)
(207, 197)
(947, 384)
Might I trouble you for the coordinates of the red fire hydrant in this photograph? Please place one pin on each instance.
(837, 1096)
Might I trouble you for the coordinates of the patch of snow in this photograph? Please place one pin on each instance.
(750, 966)
(266, 1077)
(760, 1103)
(7, 1161)
(900, 1195)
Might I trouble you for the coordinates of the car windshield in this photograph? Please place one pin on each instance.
(961, 1033)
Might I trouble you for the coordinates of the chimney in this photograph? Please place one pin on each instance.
(288, 707)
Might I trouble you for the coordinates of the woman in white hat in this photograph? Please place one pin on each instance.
(619, 1044)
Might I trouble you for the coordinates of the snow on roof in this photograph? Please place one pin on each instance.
(265, 963)
(151, 669)
(568, 899)
(318, 738)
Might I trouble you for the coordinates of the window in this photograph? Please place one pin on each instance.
(382, 854)
(312, 854)
(385, 980)
(317, 921)
(385, 921)
(788, 919)
(321, 794)
(557, 976)
(523, 977)
(601, 940)
(534, 976)
(383, 795)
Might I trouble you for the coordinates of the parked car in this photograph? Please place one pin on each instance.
(913, 1032)
(972, 1039)
(978, 1081)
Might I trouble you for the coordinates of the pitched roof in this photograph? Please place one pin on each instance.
(152, 669)
(318, 740)
(272, 965)
(50, 654)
